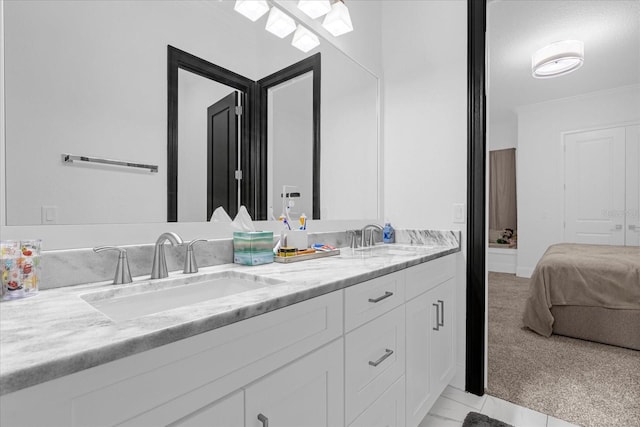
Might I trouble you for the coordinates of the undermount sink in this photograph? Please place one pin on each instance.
(133, 301)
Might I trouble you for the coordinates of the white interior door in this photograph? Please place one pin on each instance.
(632, 226)
(595, 187)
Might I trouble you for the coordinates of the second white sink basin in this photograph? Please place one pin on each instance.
(133, 301)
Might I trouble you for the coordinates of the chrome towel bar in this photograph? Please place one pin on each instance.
(70, 158)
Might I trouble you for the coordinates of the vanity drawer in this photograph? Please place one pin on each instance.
(374, 360)
(368, 300)
(422, 277)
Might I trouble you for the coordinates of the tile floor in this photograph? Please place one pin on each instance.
(454, 404)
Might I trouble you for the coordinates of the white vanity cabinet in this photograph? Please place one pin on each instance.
(430, 318)
(377, 353)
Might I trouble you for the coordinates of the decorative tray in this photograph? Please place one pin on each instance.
(305, 257)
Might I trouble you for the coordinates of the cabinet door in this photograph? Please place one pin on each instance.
(228, 412)
(419, 394)
(307, 393)
(442, 335)
(430, 349)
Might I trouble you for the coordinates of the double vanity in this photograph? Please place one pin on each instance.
(365, 338)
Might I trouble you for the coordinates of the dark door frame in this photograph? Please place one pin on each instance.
(310, 64)
(476, 157)
(178, 59)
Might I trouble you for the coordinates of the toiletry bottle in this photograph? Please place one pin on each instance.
(388, 233)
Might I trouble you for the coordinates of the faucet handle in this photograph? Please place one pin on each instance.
(190, 265)
(123, 275)
(354, 240)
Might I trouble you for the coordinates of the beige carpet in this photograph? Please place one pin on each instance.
(582, 382)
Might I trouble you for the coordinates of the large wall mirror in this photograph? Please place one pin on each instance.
(90, 78)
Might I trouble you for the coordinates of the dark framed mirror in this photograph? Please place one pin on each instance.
(243, 115)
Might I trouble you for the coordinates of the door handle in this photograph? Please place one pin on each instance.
(380, 298)
(441, 323)
(384, 357)
(437, 327)
(264, 420)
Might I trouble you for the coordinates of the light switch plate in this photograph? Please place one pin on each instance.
(49, 214)
(459, 214)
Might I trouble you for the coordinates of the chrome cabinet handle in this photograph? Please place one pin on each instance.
(441, 323)
(634, 227)
(617, 227)
(437, 327)
(382, 359)
(264, 420)
(386, 295)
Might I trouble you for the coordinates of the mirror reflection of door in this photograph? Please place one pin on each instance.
(198, 192)
(222, 155)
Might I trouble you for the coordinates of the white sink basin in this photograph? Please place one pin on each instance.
(137, 300)
(393, 249)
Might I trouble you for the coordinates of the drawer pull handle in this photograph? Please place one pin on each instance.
(386, 295)
(264, 420)
(441, 322)
(382, 359)
(437, 327)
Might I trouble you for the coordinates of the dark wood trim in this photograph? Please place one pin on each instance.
(178, 59)
(311, 63)
(476, 154)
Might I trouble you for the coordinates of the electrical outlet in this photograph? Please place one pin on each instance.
(459, 213)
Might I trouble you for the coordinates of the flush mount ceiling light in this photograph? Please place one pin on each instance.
(279, 23)
(314, 8)
(304, 39)
(252, 9)
(557, 59)
(338, 21)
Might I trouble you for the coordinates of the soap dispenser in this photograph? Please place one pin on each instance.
(388, 233)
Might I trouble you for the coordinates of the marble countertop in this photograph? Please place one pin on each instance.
(57, 333)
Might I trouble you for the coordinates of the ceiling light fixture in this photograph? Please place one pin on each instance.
(252, 9)
(557, 59)
(338, 21)
(279, 23)
(314, 8)
(304, 39)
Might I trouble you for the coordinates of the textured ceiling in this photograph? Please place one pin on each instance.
(609, 29)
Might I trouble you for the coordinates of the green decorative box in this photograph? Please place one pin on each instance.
(252, 247)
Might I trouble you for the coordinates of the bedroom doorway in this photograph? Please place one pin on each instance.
(537, 125)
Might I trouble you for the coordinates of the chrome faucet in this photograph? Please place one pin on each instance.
(123, 275)
(363, 241)
(159, 268)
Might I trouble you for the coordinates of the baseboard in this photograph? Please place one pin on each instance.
(501, 267)
(525, 272)
(458, 379)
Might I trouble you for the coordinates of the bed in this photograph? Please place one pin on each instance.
(589, 292)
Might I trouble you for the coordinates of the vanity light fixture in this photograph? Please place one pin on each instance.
(252, 9)
(338, 21)
(304, 39)
(557, 59)
(279, 23)
(314, 8)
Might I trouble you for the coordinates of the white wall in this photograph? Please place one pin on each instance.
(540, 173)
(503, 135)
(424, 48)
